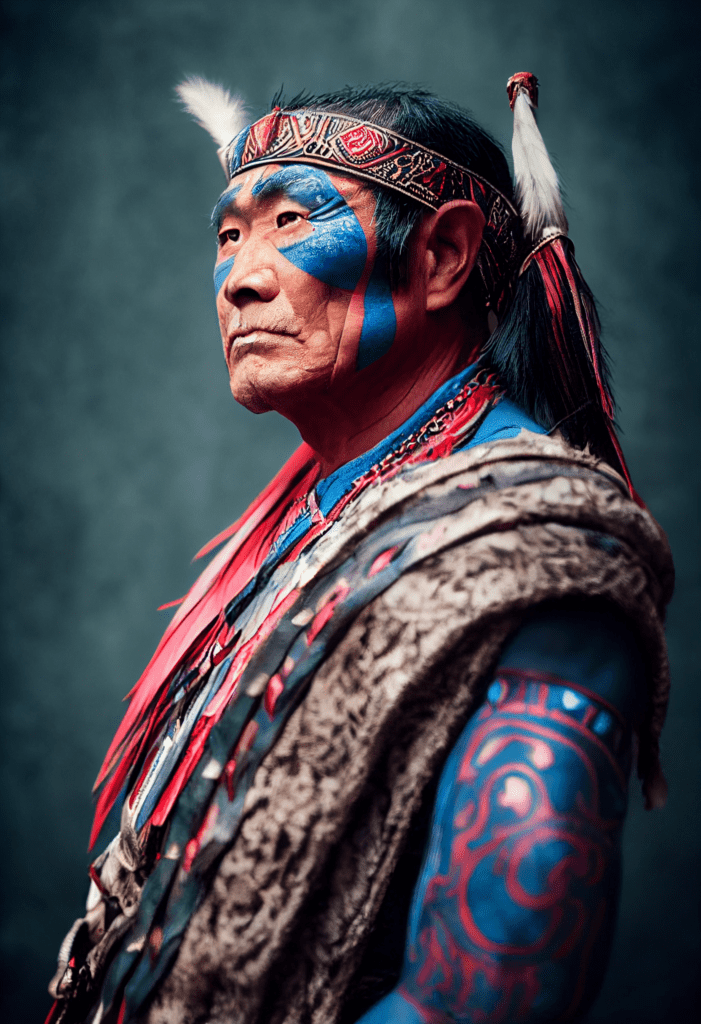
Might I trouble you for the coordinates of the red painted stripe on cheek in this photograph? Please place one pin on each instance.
(347, 354)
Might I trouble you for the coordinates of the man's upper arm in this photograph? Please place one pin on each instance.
(586, 642)
(513, 913)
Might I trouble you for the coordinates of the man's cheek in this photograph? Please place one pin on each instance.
(379, 325)
(335, 253)
(221, 272)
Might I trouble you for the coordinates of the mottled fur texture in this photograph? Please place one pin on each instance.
(281, 932)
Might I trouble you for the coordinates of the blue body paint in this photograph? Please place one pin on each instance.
(394, 1008)
(592, 645)
(223, 269)
(504, 421)
(336, 251)
(223, 203)
(512, 913)
(221, 272)
(379, 320)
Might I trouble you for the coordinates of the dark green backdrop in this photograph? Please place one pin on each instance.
(123, 451)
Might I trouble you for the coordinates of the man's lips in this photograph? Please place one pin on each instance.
(253, 335)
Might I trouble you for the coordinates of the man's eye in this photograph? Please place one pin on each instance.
(289, 217)
(230, 235)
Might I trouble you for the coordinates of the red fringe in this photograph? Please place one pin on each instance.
(553, 262)
(228, 573)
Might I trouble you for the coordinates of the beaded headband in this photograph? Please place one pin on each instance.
(382, 157)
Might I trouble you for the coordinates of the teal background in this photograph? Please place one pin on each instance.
(123, 452)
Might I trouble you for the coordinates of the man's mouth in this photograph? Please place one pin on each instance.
(252, 336)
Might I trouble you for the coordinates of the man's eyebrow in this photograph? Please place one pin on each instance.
(224, 202)
(279, 183)
(306, 185)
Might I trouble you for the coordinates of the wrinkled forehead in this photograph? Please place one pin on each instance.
(311, 187)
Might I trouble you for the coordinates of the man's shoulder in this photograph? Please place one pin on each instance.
(509, 461)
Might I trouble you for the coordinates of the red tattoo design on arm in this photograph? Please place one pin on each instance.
(513, 913)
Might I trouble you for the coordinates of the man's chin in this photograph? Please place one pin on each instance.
(281, 388)
(249, 397)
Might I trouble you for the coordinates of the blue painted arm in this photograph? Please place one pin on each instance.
(513, 913)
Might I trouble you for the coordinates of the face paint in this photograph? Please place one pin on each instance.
(379, 319)
(221, 272)
(336, 251)
(223, 203)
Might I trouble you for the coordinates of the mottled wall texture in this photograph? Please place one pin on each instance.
(122, 451)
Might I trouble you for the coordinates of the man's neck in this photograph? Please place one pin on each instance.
(341, 424)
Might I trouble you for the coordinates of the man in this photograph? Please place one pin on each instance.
(377, 768)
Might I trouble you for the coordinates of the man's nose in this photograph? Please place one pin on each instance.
(253, 276)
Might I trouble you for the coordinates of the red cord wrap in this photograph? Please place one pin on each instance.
(522, 81)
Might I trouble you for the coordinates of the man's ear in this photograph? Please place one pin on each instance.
(450, 241)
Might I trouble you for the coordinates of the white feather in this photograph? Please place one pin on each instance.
(213, 107)
(537, 187)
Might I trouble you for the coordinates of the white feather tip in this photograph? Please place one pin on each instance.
(213, 107)
(537, 186)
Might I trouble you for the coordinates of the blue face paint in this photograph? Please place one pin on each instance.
(223, 203)
(379, 319)
(221, 272)
(336, 251)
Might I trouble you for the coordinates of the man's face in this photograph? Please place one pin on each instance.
(302, 304)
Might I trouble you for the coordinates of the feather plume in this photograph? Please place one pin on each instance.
(213, 107)
(537, 187)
